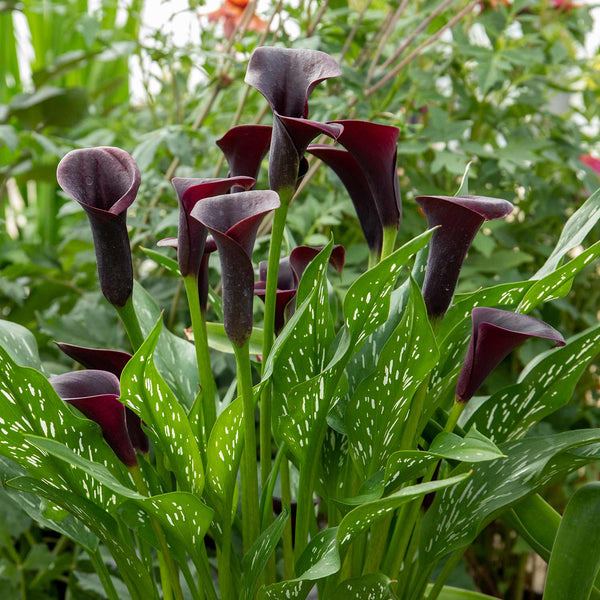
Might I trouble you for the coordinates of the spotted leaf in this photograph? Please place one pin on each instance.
(377, 411)
(256, 558)
(30, 406)
(545, 385)
(574, 232)
(363, 516)
(367, 302)
(103, 525)
(458, 514)
(175, 357)
(145, 392)
(368, 587)
(20, 344)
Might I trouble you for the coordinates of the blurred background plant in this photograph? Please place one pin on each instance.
(510, 85)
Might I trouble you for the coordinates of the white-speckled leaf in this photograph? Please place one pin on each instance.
(362, 517)
(406, 465)
(368, 587)
(30, 406)
(458, 514)
(558, 283)
(223, 456)
(175, 357)
(474, 447)
(319, 559)
(545, 385)
(102, 525)
(367, 302)
(146, 393)
(20, 344)
(377, 411)
(574, 232)
(258, 555)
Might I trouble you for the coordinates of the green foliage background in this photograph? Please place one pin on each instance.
(509, 88)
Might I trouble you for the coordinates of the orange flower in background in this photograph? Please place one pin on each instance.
(230, 12)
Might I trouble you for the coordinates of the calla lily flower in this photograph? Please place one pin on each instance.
(286, 78)
(460, 218)
(289, 274)
(191, 235)
(114, 362)
(495, 334)
(105, 182)
(244, 148)
(233, 221)
(95, 394)
(375, 149)
(348, 170)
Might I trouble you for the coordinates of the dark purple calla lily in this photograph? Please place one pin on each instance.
(191, 236)
(460, 218)
(375, 148)
(286, 78)
(244, 148)
(289, 274)
(114, 362)
(105, 182)
(348, 170)
(95, 394)
(233, 221)
(495, 334)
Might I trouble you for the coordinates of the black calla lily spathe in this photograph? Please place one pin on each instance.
(114, 362)
(286, 78)
(233, 221)
(495, 334)
(96, 394)
(458, 219)
(105, 182)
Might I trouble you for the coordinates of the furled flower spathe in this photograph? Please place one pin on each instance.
(233, 221)
(95, 394)
(105, 182)
(495, 334)
(286, 78)
(459, 218)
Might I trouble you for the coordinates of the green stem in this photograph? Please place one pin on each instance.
(277, 232)
(455, 412)
(414, 416)
(103, 574)
(203, 571)
(389, 239)
(131, 323)
(224, 558)
(377, 544)
(207, 380)
(168, 570)
(251, 516)
(286, 499)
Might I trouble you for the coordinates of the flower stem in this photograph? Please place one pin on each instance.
(286, 500)
(207, 380)
(131, 323)
(168, 570)
(103, 574)
(250, 505)
(389, 239)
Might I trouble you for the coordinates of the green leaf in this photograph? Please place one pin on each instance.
(20, 344)
(175, 357)
(474, 447)
(146, 393)
(557, 283)
(452, 593)
(377, 411)
(463, 190)
(367, 302)
(256, 558)
(218, 340)
(545, 385)
(163, 260)
(367, 587)
(574, 232)
(458, 514)
(575, 559)
(318, 560)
